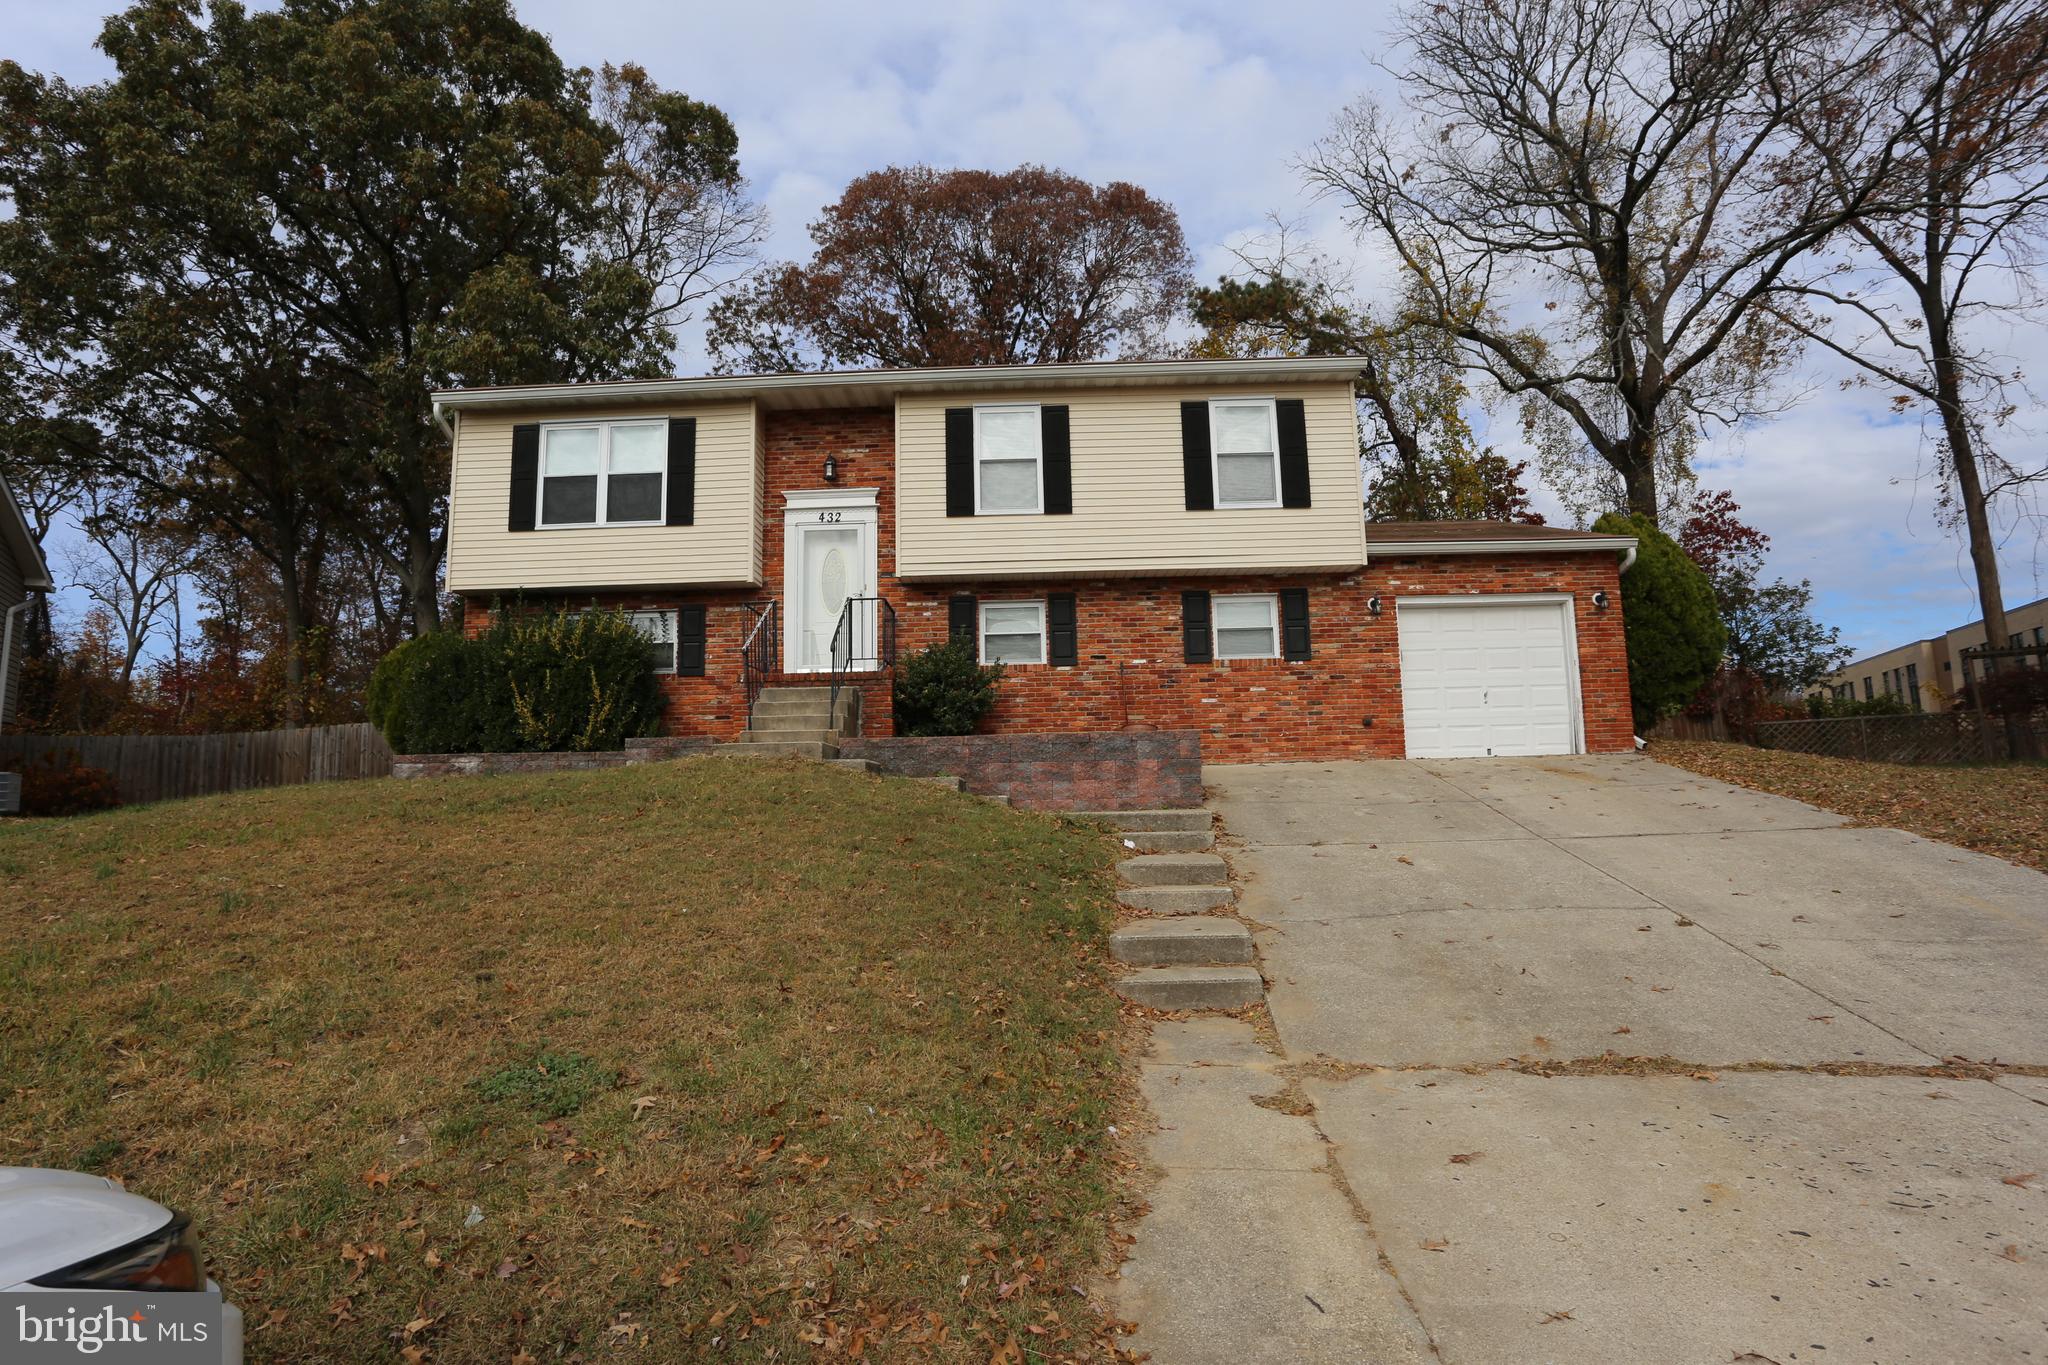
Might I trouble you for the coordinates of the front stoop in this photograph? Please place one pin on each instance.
(1184, 957)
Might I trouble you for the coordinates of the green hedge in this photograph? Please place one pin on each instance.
(534, 681)
(944, 689)
(1669, 617)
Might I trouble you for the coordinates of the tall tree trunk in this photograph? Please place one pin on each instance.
(292, 606)
(1962, 451)
(1636, 461)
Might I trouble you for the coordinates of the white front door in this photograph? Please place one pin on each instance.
(829, 556)
(1485, 678)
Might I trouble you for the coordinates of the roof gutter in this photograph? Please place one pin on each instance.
(441, 421)
(885, 382)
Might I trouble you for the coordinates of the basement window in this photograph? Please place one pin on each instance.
(1013, 632)
(1247, 627)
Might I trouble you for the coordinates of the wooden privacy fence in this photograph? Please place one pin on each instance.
(164, 767)
(1682, 726)
(1936, 737)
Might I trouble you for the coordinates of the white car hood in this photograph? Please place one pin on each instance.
(51, 1219)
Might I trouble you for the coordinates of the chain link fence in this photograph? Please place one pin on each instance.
(1939, 737)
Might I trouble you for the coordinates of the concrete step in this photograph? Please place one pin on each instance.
(1128, 820)
(1174, 869)
(995, 799)
(1188, 940)
(798, 749)
(1176, 900)
(951, 784)
(788, 734)
(1167, 840)
(799, 705)
(856, 765)
(1193, 988)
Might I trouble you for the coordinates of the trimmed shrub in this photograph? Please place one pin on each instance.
(58, 784)
(579, 681)
(443, 693)
(1827, 708)
(2013, 691)
(944, 689)
(1674, 631)
(545, 681)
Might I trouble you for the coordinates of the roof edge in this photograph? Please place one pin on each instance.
(885, 382)
(1550, 545)
(35, 570)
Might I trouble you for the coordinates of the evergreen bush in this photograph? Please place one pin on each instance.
(944, 689)
(1673, 626)
(550, 680)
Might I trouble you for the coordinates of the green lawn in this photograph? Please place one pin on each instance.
(711, 1058)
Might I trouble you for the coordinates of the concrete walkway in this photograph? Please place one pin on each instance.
(1437, 1159)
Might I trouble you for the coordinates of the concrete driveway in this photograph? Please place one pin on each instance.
(1437, 1159)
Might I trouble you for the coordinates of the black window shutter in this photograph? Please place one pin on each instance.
(682, 472)
(1294, 624)
(525, 476)
(1293, 421)
(1063, 644)
(959, 462)
(1057, 453)
(690, 642)
(1194, 627)
(963, 615)
(1194, 458)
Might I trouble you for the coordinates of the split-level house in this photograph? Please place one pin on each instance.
(1162, 545)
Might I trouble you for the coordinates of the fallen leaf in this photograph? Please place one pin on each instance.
(1436, 1244)
(1563, 1315)
(2012, 1252)
(377, 1178)
(2021, 1180)
(643, 1104)
(1404, 858)
(1623, 1029)
(1465, 1158)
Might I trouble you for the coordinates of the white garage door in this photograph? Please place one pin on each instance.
(1487, 678)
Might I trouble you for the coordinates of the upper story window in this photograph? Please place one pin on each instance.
(1007, 460)
(1244, 438)
(1247, 626)
(603, 474)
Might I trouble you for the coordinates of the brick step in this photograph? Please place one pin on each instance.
(1193, 988)
(1132, 820)
(1168, 840)
(1174, 869)
(1186, 941)
(1176, 900)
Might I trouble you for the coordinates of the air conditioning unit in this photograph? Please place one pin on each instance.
(10, 793)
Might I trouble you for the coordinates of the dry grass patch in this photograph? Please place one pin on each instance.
(1998, 809)
(695, 1059)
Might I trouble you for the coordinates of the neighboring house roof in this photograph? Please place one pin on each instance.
(20, 542)
(868, 388)
(1484, 537)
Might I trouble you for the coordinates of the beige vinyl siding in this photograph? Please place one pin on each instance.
(1130, 514)
(723, 548)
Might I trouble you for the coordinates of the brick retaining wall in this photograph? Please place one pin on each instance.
(472, 765)
(1115, 770)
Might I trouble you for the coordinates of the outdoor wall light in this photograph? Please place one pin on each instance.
(831, 469)
(1599, 601)
(1372, 604)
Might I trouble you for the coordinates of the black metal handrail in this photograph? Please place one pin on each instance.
(864, 641)
(761, 652)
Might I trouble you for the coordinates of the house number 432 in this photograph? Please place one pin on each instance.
(828, 516)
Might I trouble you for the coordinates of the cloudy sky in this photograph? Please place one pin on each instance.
(1206, 105)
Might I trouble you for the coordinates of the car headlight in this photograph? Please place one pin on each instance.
(165, 1261)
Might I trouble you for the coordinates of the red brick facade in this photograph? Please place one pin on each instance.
(1345, 702)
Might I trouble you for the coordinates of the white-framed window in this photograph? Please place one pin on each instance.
(1013, 632)
(1008, 474)
(1247, 626)
(603, 474)
(660, 629)
(1244, 451)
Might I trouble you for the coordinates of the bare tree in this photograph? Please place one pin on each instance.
(132, 570)
(1591, 192)
(1956, 113)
